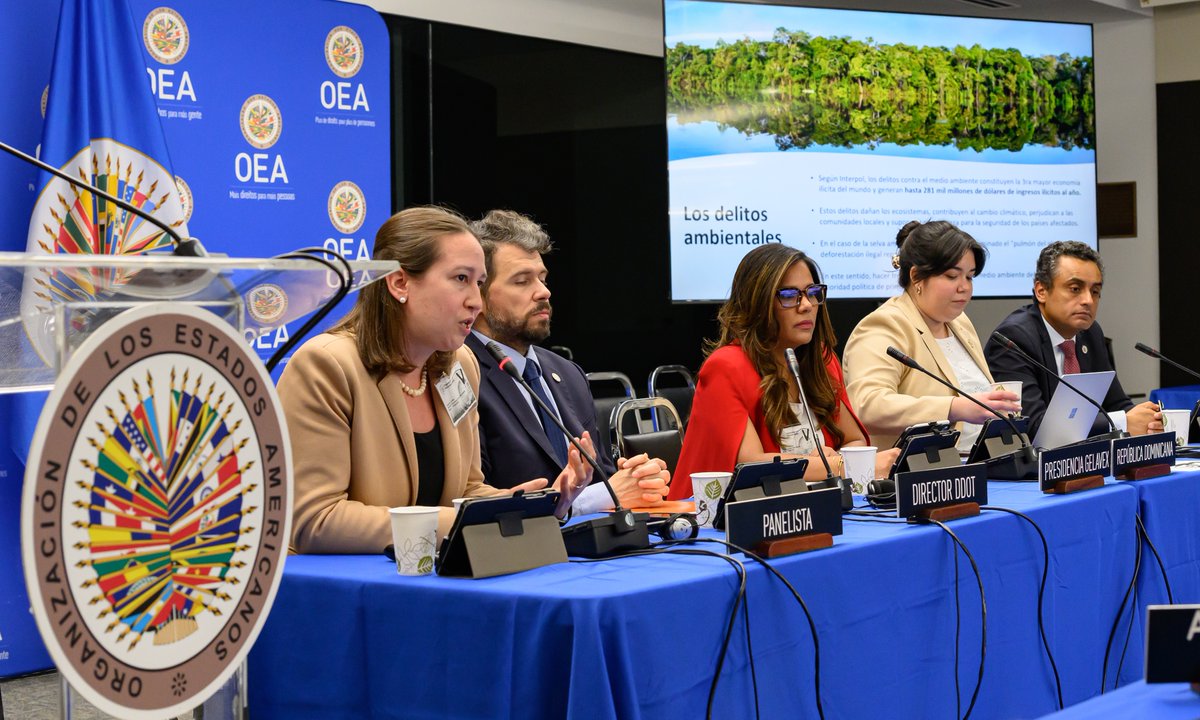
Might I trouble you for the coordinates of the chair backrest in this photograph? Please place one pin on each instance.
(679, 395)
(665, 444)
(564, 351)
(609, 389)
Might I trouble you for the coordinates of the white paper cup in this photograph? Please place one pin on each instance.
(860, 466)
(1009, 385)
(414, 532)
(1177, 421)
(708, 488)
(457, 503)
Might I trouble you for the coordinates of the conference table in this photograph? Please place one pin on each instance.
(1178, 397)
(1169, 701)
(640, 637)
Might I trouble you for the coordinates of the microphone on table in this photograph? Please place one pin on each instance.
(1156, 354)
(1112, 434)
(1020, 459)
(831, 480)
(622, 529)
(1192, 428)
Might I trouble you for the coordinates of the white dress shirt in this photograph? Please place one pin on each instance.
(594, 497)
(1056, 341)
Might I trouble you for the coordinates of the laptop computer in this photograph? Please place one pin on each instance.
(1069, 417)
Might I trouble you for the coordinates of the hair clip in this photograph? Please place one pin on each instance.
(896, 262)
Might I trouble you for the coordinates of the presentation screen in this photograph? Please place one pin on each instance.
(828, 130)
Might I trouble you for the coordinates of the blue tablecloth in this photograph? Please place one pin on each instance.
(639, 637)
(1172, 701)
(1180, 397)
(1170, 509)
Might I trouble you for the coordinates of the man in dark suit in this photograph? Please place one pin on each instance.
(1061, 331)
(516, 442)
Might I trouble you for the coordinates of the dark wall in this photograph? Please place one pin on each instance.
(1178, 248)
(575, 137)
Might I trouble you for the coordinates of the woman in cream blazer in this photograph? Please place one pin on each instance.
(937, 264)
(392, 384)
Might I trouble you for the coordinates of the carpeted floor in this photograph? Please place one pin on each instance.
(37, 698)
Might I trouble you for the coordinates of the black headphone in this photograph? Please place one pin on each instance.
(680, 526)
(882, 493)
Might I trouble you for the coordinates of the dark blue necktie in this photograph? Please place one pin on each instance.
(558, 443)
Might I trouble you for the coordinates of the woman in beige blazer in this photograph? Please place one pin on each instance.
(938, 264)
(371, 405)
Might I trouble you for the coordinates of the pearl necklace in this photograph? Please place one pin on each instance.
(419, 390)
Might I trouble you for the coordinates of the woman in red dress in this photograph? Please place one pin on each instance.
(747, 407)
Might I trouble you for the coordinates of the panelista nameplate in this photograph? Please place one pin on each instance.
(749, 522)
(1074, 461)
(938, 487)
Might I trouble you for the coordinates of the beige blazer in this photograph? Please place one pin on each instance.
(889, 396)
(353, 450)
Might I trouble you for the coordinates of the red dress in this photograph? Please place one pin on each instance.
(727, 394)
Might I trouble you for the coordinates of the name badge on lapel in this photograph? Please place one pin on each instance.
(456, 393)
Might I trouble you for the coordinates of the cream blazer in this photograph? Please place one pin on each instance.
(889, 396)
(353, 450)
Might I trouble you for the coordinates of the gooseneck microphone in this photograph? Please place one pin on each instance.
(185, 247)
(831, 480)
(1156, 354)
(909, 362)
(624, 519)
(1113, 432)
(620, 531)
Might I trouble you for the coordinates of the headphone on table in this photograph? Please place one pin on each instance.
(882, 493)
(679, 526)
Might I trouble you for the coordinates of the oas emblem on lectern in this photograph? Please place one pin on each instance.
(156, 510)
(261, 121)
(347, 207)
(343, 51)
(266, 303)
(166, 35)
(185, 197)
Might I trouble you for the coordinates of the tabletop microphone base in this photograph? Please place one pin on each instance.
(620, 532)
(1020, 465)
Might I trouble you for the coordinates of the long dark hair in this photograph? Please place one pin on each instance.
(749, 318)
(933, 248)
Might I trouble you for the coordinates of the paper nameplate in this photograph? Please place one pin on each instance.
(1133, 452)
(940, 486)
(749, 522)
(1173, 643)
(1074, 461)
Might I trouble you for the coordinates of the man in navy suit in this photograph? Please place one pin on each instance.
(1061, 331)
(516, 442)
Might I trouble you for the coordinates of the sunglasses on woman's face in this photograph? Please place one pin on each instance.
(789, 297)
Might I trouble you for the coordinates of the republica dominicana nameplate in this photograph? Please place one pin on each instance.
(156, 510)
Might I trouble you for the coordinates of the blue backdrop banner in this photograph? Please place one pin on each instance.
(270, 140)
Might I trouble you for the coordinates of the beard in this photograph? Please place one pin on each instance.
(519, 331)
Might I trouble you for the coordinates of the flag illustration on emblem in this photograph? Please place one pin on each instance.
(102, 126)
(165, 509)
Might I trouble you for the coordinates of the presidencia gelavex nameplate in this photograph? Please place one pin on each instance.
(277, 121)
